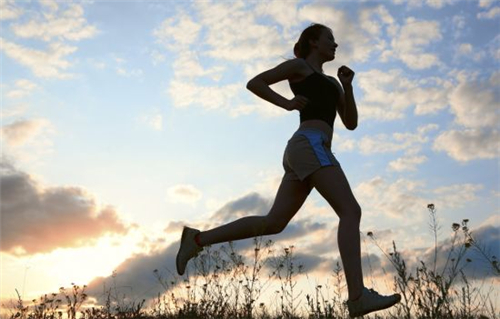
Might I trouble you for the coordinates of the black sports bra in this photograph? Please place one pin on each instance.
(323, 95)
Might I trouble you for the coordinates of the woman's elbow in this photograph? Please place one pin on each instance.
(251, 84)
(351, 126)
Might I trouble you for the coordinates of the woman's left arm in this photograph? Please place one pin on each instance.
(347, 109)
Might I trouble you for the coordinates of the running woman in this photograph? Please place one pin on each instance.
(308, 162)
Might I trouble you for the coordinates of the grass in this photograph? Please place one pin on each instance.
(226, 285)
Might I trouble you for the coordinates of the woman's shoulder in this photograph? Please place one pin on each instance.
(299, 69)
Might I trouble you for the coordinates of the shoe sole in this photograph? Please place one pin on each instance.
(398, 299)
(177, 261)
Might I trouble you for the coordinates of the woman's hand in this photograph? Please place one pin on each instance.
(299, 102)
(345, 75)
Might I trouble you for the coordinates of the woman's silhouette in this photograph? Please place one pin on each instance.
(308, 162)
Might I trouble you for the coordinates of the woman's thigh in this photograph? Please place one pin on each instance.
(332, 184)
(290, 197)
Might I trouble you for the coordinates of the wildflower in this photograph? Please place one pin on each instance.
(455, 226)
(430, 206)
(370, 234)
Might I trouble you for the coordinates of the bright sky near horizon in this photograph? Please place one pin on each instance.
(124, 120)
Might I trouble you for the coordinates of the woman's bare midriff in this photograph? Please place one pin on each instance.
(319, 125)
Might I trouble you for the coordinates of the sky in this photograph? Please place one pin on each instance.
(122, 121)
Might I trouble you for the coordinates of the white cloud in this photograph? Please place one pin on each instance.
(184, 194)
(129, 72)
(383, 143)
(21, 132)
(465, 48)
(284, 13)
(68, 25)
(237, 43)
(13, 111)
(490, 14)
(44, 64)
(9, 11)
(187, 65)
(437, 4)
(178, 33)
(475, 103)
(153, 120)
(410, 42)
(186, 94)
(405, 197)
(407, 163)
(486, 3)
(386, 95)
(355, 44)
(398, 199)
(23, 88)
(469, 144)
(27, 141)
(457, 195)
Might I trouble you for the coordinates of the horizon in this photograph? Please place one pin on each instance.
(122, 121)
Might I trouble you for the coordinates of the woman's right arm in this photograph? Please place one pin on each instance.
(259, 85)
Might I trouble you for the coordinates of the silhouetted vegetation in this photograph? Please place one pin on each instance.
(227, 285)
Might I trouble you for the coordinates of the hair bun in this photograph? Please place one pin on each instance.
(296, 50)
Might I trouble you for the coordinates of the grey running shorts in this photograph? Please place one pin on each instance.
(307, 151)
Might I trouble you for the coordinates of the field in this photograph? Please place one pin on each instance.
(227, 285)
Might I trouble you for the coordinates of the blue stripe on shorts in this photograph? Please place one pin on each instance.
(317, 139)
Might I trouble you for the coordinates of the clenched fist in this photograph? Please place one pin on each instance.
(345, 75)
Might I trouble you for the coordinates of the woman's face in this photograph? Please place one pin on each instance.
(326, 45)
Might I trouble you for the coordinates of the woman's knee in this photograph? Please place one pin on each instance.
(274, 226)
(351, 214)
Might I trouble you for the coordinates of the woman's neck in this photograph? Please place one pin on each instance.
(315, 63)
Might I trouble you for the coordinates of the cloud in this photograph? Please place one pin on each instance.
(492, 13)
(24, 87)
(387, 95)
(22, 131)
(250, 204)
(469, 144)
(9, 11)
(407, 163)
(183, 194)
(487, 237)
(178, 33)
(474, 102)
(186, 94)
(44, 64)
(67, 25)
(383, 143)
(437, 4)
(237, 44)
(406, 197)
(187, 65)
(398, 199)
(39, 219)
(153, 120)
(409, 44)
(454, 196)
(355, 43)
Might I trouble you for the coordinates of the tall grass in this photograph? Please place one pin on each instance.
(225, 284)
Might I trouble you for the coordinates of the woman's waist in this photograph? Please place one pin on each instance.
(316, 126)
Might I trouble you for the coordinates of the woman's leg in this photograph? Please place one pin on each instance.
(290, 197)
(332, 184)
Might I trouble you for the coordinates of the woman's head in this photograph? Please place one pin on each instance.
(312, 33)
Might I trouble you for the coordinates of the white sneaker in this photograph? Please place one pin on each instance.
(370, 301)
(188, 249)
